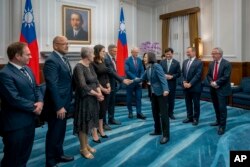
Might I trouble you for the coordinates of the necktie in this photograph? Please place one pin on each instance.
(188, 66)
(66, 61)
(215, 77)
(135, 63)
(26, 74)
(168, 64)
(113, 61)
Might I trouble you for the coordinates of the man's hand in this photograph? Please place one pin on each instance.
(38, 108)
(168, 77)
(61, 113)
(127, 81)
(165, 93)
(186, 85)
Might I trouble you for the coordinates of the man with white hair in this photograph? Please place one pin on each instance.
(134, 69)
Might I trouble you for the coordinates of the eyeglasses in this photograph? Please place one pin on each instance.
(63, 44)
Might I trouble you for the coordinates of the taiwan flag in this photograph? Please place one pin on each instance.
(28, 35)
(122, 49)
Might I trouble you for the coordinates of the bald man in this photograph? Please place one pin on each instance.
(134, 69)
(58, 96)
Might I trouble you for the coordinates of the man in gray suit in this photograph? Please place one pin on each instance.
(218, 77)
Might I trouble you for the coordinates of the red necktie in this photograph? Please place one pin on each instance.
(215, 71)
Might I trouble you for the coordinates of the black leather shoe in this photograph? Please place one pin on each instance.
(106, 127)
(65, 158)
(51, 166)
(195, 122)
(130, 115)
(141, 116)
(97, 141)
(155, 133)
(103, 136)
(221, 131)
(114, 122)
(164, 140)
(214, 124)
(172, 117)
(187, 120)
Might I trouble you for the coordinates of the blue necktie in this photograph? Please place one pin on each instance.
(26, 74)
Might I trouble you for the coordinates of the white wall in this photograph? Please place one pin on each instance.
(224, 23)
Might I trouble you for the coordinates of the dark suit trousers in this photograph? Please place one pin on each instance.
(220, 107)
(54, 139)
(111, 106)
(160, 114)
(192, 100)
(137, 89)
(17, 146)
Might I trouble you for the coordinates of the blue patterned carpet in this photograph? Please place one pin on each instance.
(131, 145)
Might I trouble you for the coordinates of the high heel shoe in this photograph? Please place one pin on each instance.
(96, 141)
(86, 154)
(103, 136)
(90, 149)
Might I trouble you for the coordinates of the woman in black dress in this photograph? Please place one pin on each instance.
(87, 97)
(103, 78)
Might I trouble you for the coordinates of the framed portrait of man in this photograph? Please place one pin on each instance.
(76, 24)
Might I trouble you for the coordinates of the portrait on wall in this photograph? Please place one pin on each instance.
(76, 24)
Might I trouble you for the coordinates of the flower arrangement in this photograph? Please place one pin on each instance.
(150, 47)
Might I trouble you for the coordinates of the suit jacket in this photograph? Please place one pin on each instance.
(193, 75)
(174, 70)
(18, 96)
(58, 78)
(113, 77)
(82, 35)
(157, 79)
(131, 71)
(223, 81)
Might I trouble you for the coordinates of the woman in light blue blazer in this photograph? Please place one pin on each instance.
(159, 87)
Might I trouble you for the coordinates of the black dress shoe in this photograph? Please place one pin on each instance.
(97, 141)
(221, 131)
(195, 122)
(103, 136)
(65, 158)
(172, 117)
(187, 120)
(141, 116)
(51, 166)
(164, 140)
(130, 115)
(155, 133)
(214, 124)
(114, 122)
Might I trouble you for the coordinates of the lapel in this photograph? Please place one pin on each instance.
(20, 74)
(59, 59)
(220, 67)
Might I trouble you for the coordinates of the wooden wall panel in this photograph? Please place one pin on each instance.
(239, 70)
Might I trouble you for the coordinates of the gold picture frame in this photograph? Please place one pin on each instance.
(76, 23)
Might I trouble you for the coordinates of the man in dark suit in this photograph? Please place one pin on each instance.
(21, 103)
(58, 96)
(110, 62)
(172, 71)
(192, 71)
(134, 69)
(76, 31)
(218, 76)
